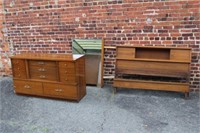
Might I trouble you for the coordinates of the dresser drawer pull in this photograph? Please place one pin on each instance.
(42, 70)
(59, 90)
(41, 63)
(27, 87)
(42, 76)
(18, 68)
(65, 64)
(65, 71)
(16, 62)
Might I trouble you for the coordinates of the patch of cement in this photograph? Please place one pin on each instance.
(100, 111)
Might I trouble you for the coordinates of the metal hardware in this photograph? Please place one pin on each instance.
(41, 69)
(27, 87)
(59, 90)
(41, 63)
(42, 76)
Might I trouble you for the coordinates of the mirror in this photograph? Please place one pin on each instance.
(93, 49)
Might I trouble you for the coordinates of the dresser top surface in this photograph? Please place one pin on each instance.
(45, 56)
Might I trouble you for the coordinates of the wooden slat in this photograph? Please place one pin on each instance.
(102, 63)
(154, 60)
(153, 68)
(151, 85)
(109, 47)
(157, 47)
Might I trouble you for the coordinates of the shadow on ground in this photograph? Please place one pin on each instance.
(100, 111)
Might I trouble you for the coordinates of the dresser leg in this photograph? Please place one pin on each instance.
(186, 95)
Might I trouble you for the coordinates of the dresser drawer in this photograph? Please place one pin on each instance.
(58, 90)
(42, 63)
(42, 69)
(68, 78)
(18, 62)
(66, 65)
(28, 87)
(19, 74)
(66, 71)
(45, 75)
(19, 68)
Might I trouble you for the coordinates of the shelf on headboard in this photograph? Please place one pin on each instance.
(146, 53)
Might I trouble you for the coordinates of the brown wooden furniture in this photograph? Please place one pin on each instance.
(155, 68)
(50, 75)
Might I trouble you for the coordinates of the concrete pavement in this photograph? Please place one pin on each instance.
(100, 111)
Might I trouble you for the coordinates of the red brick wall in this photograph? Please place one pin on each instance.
(50, 26)
(4, 48)
(1, 39)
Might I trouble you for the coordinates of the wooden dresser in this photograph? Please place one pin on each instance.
(49, 75)
(155, 68)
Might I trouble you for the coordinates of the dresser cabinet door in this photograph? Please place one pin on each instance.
(19, 68)
(28, 87)
(59, 90)
(67, 72)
